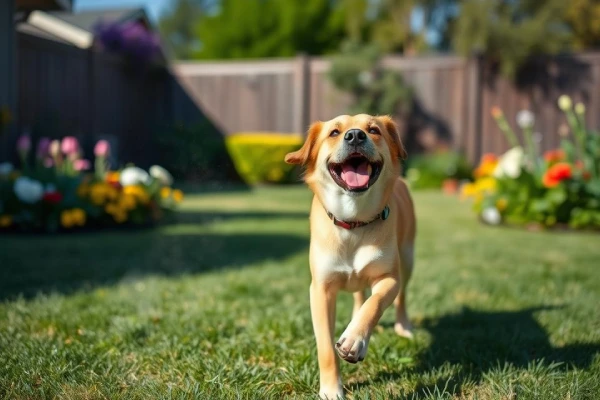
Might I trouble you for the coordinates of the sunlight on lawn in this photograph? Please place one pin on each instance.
(216, 306)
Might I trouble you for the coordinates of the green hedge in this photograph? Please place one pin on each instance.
(259, 157)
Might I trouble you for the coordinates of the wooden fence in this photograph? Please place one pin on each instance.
(453, 95)
(64, 90)
(67, 90)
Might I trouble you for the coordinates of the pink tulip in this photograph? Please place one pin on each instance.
(24, 144)
(81, 165)
(43, 147)
(102, 148)
(54, 148)
(69, 145)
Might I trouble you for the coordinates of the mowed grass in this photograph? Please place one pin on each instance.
(216, 307)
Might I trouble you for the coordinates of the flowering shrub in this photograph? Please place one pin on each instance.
(562, 187)
(130, 39)
(259, 158)
(56, 193)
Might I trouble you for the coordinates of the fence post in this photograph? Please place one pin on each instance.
(474, 107)
(301, 93)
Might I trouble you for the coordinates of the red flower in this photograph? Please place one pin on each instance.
(52, 197)
(554, 156)
(556, 174)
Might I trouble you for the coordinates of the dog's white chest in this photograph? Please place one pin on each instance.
(357, 264)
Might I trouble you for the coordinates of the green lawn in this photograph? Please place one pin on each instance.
(216, 307)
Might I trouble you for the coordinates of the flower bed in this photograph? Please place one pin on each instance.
(562, 188)
(57, 194)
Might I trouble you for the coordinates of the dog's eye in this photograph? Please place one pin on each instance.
(374, 131)
(334, 133)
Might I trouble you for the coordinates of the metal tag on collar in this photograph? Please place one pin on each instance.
(385, 213)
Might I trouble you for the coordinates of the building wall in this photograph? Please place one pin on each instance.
(7, 67)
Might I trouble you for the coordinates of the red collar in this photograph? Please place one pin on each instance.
(357, 224)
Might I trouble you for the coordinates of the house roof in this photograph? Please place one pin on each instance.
(75, 28)
(87, 20)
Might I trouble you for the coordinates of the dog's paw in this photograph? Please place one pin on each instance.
(331, 393)
(352, 348)
(404, 330)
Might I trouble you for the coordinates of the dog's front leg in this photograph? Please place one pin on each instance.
(353, 343)
(322, 306)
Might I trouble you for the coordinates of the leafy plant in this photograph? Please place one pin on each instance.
(429, 171)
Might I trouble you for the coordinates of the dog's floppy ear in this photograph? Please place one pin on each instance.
(394, 132)
(301, 156)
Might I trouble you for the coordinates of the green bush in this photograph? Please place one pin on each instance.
(259, 157)
(428, 171)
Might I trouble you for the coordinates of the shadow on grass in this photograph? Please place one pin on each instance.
(40, 264)
(480, 341)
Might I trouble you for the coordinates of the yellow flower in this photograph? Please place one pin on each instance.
(165, 192)
(138, 192)
(78, 216)
(83, 190)
(468, 190)
(486, 185)
(501, 204)
(177, 195)
(127, 201)
(66, 219)
(5, 221)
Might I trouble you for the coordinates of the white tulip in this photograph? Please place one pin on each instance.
(525, 119)
(491, 216)
(161, 175)
(510, 164)
(28, 190)
(134, 176)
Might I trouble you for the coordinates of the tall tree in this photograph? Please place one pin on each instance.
(509, 32)
(270, 28)
(583, 18)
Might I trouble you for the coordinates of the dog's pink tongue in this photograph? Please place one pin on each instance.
(355, 178)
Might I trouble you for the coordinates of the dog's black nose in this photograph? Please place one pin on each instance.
(355, 136)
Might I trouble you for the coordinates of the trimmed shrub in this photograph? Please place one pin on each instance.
(259, 157)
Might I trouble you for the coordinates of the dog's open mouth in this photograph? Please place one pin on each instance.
(356, 173)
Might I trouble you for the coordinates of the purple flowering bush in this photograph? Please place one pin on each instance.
(129, 39)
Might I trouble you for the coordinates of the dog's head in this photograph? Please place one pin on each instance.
(358, 154)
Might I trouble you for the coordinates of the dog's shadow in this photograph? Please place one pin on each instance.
(480, 341)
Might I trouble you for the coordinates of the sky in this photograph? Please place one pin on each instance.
(153, 7)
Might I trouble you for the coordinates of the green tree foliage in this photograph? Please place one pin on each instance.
(358, 70)
(271, 28)
(177, 27)
(509, 32)
(583, 18)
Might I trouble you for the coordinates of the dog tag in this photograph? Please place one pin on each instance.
(385, 213)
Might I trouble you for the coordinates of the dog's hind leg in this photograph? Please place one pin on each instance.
(403, 327)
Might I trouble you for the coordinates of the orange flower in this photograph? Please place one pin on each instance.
(496, 112)
(487, 166)
(556, 174)
(554, 156)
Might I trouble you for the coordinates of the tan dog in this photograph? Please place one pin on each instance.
(362, 233)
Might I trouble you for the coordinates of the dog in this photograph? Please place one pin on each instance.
(362, 234)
